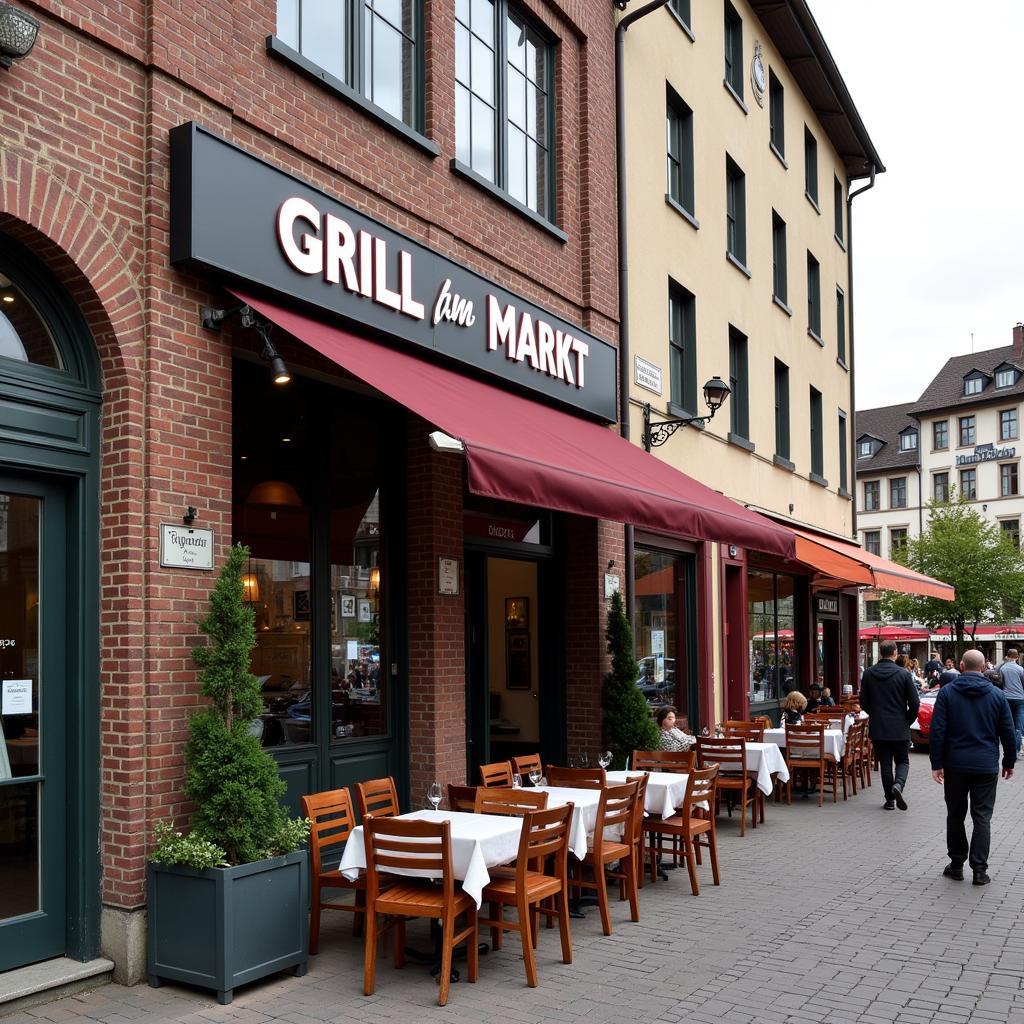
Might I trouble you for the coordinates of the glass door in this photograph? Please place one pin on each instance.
(32, 723)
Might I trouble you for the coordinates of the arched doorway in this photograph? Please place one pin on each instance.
(49, 538)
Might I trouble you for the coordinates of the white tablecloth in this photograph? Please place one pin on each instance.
(584, 813)
(835, 741)
(479, 842)
(766, 759)
(665, 790)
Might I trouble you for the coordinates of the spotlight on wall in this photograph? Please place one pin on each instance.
(213, 319)
(18, 32)
(442, 442)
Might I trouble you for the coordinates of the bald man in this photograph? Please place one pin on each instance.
(971, 719)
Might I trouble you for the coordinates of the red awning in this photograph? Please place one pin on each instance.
(533, 454)
(894, 633)
(843, 561)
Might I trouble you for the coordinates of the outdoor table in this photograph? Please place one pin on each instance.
(584, 813)
(665, 790)
(767, 761)
(835, 741)
(479, 842)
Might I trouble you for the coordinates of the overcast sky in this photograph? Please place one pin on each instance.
(938, 240)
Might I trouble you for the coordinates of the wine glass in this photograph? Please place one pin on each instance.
(535, 776)
(584, 760)
(517, 781)
(572, 760)
(434, 795)
(704, 731)
(605, 759)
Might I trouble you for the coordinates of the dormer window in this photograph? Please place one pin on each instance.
(908, 441)
(973, 386)
(864, 450)
(1006, 378)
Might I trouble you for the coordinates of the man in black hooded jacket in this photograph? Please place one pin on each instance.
(889, 696)
(970, 721)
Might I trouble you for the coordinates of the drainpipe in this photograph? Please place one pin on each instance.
(620, 171)
(853, 363)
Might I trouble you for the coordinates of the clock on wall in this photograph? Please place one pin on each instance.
(758, 75)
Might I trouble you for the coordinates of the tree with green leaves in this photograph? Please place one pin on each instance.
(627, 718)
(232, 780)
(970, 553)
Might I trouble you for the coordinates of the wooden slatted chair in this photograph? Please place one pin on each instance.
(752, 732)
(763, 720)
(663, 761)
(686, 828)
(378, 797)
(853, 757)
(510, 801)
(401, 844)
(805, 751)
(522, 766)
(614, 811)
(730, 754)
(497, 774)
(576, 778)
(333, 819)
(637, 831)
(461, 798)
(538, 884)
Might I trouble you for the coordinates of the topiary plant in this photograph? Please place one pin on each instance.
(232, 780)
(627, 718)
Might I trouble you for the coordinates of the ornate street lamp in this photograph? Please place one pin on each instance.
(716, 391)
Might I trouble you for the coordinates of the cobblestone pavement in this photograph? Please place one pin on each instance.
(832, 915)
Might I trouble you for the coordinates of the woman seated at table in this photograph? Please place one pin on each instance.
(793, 708)
(672, 738)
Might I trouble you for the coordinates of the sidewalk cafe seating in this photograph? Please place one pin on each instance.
(497, 774)
(730, 754)
(752, 732)
(805, 752)
(378, 797)
(509, 801)
(522, 766)
(397, 845)
(462, 798)
(663, 761)
(576, 778)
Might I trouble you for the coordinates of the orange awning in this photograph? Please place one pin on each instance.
(846, 562)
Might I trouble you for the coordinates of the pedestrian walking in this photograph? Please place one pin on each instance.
(889, 696)
(933, 667)
(1012, 676)
(970, 721)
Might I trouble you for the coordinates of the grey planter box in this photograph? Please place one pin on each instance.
(227, 926)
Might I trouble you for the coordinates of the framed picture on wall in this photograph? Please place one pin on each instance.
(365, 611)
(348, 606)
(517, 613)
(300, 606)
(517, 660)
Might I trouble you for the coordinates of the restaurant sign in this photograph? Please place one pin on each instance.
(234, 214)
(828, 605)
(185, 547)
(986, 453)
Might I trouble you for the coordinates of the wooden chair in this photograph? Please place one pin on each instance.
(762, 720)
(638, 833)
(576, 778)
(687, 826)
(853, 757)
(614, 811)
(397, 844)
(538, 884)
(522, 766)
(663, 760)
(805, 751)
(730, 754)
(378, 797)
(752, 732)
(333, 819)
(510, 802)
(497, 774)
(461, 798)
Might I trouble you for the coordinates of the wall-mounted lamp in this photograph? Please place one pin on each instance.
(190, 515)
(375, 581)
(984, 508)
(18, 32)
(250, 587)
(213, 319)
(716, 391)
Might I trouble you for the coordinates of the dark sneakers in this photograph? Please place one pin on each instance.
(954, 871)
(897, 795)
(981, 878)
(888, 806)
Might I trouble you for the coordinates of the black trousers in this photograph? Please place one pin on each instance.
(981, 791)
(893, 752)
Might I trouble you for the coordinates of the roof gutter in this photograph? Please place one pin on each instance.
(852, 440)
(620, 170)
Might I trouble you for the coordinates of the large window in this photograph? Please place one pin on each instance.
(682, 346)
(733, 50)
(898, 492)
(1010, 528)
(872, 495)
(780, 285)
(681, 8)
(974, 385)
(739, 401)
(873, 542)
(940, 435)
(940, 486)
(371, 46)
(811, 166)
(966, 431)
(781, 410)
(772, 633)
(1008, 425)
(504, 121)
(898, 537)
(1006, 378)
(679, 129)
(817, 441)
(969, 483)
(908, 441)
(776, 115)
(813, 297)
(735, 211)
(1008, 482)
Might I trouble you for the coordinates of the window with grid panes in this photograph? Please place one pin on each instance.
(897, 542)
(872, 611)
(940, 435)
(908, 441)
(679, 132)
(503, 101)
(973, 386)
(1010, 528)
(1007, 424)
(969, 483)
(872, 495)
(1006, 378)
(873, 542)
(371, 46)
(966, 431)
(898, 492)
(682, 341)
(780, 284)
(1008, 483)
(940, 486)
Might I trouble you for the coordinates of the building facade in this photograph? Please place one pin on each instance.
(741, 144)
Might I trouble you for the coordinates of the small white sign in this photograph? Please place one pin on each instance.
(448, 576)
(185, 547)
(647, 375)
(17, 697)
(657, 641)
(352, 650)
(612, 585)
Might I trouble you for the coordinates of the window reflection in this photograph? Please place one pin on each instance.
(657, 629)
(23, 335)
(772, 623)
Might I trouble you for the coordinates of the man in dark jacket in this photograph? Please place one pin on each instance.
(889, 696)
(971, 718)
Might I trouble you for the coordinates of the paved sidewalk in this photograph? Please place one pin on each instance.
(837, 915)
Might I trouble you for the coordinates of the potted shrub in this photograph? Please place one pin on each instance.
(228, 901)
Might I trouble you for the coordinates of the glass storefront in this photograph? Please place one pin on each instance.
(772, 637)
(657, 628)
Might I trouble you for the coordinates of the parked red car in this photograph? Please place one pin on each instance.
(920, 729)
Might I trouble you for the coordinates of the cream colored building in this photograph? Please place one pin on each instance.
(741, 135)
